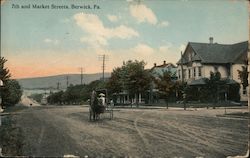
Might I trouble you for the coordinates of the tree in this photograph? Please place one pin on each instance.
(115, 84)
(138, 79)
(165, 84)
(243, 76)
(75, 94)
(12, 93)
(131, 77)
(4, 72)
(36, 97)
(55, 98)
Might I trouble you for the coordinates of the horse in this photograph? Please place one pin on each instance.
(96, 107)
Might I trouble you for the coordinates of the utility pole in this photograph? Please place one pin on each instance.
(58, 85)
(184, 95)
(103, 58)
(182, 73)
(67, 81)
(82, 70)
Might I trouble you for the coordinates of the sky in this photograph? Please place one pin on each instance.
(44, 42)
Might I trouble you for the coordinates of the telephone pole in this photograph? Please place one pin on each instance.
(67, 81)
(103, 58)
(58, 85)
(182, 73)
(82, 70)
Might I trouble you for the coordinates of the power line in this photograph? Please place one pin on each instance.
(103, 58)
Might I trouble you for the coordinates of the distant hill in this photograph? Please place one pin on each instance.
(51, 81)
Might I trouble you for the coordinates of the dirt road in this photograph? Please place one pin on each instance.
(63, 130)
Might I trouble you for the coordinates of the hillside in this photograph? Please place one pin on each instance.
(51, 81)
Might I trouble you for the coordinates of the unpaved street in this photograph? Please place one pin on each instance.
(62, 130)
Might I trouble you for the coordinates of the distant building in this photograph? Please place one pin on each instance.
(156, 71)
(199, 59)
(160, 69)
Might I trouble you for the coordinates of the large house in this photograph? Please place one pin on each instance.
(199, 59)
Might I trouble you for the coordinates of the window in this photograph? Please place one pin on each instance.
(244, 90)
(189, 73)
(184, 73)
(215, 68)
(194, 72)
(199, 71)
(190, 57)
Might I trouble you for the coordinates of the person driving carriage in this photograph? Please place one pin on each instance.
(102, 99)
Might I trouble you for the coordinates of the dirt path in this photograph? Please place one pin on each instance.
(28, 102)
(62, 130)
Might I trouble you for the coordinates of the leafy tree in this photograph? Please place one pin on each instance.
(243, 76)
(138, 79)
(36, 97)
(55, 98)
(213, 86)
(75, 93)
(4, 72)
(234, 92)
(131, 77)
(165, 84)
(115, 84)
(12, 93)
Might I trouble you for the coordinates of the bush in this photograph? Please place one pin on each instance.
(11, 93)
(36, 97)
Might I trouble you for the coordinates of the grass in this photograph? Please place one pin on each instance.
(11, 135)
(16, 108)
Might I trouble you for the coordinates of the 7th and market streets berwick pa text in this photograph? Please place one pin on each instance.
(54, 6)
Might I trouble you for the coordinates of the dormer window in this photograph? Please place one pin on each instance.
(190, 56)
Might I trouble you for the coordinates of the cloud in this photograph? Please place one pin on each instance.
(98, 34)
(163, 24)
(143, 14)
(165, 48)
(113, 18)
(182, 47)
(48, 40)
(143, 50)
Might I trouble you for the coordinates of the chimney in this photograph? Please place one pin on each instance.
(154, 64)
(164, 62)
(211, 40)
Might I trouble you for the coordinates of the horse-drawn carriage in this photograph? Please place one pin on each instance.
(100, 104)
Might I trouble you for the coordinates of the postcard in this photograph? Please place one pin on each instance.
(124, 78)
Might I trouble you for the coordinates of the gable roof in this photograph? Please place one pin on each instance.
(218, 53)
(164, 65)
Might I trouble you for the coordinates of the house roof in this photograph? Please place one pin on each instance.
(164, 65)
(218, 53)
(203, 81)
(197, 82)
